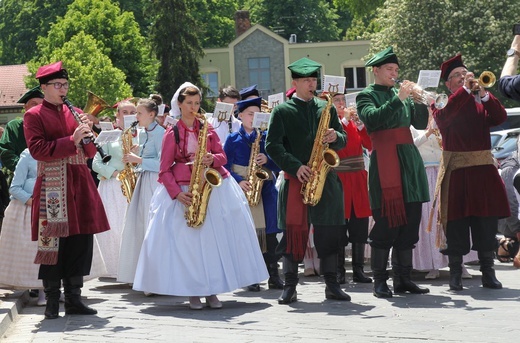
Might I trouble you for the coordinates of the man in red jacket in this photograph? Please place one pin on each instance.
(66, 208)
(472, 194)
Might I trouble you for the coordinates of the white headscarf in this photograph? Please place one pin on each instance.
(175, 111)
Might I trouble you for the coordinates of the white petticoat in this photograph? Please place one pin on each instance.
(136, 222)
(115, 207)
(220, 256)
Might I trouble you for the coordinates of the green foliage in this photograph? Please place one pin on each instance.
(90, 70)
(175, 44)
(363, 16)
(116, 33)
(137, 8)
(424, 33)
(310, 20)
(215, 21)
(22, 22)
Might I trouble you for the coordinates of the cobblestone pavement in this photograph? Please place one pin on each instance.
(472, 315)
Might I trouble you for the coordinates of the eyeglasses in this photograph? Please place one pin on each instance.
(58, 85)
(458, 75)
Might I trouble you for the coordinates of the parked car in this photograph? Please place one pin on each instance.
(507, 145)
(498, 137)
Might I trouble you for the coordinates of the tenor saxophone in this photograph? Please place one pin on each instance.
(127, 176)
(202, 181)
(322, 159)
(256, 175)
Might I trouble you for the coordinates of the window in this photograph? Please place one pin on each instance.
(356, 77)
(211, 80)
(260, 74)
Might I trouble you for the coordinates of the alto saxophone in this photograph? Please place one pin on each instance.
(256, 175)
(127, 176)
(202, 181)
(322, 159)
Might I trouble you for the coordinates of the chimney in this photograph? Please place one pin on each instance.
(242, 22)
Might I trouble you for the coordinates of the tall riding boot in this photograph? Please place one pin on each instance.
(358, 262)
(329, 267)
(290, 271)
(274, 282)
(72, 289)
(402, 266)
(341, 266)
(455, 264)
(271, 258)
(52, 293)
(489, 279)
(378, 262)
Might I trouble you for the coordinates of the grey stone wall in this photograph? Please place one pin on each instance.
(258, 45)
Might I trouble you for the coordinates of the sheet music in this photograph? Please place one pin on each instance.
(108, 136)
(334, 84)
(128, 120)
(106, 125)
(261, 120)
(429, 78)
(223, 111)
(275, 100)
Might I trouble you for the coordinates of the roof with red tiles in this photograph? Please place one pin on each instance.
(12, 85)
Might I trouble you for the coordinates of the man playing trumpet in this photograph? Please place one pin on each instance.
(397, 180)
(472, 195)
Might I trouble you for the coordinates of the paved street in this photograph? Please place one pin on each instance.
(473, 315)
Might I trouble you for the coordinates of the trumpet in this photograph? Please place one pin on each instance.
(427, 98)
(487, 79)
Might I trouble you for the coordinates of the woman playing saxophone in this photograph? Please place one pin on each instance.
(220, 255)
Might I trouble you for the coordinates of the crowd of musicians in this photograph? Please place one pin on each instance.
(212, 206)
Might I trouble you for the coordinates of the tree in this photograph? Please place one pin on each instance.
(425, 33)
(117, 34)
(215, 21)
(363, 15)
(137, 8)
(90, 70)
(310, 20)
(175, 44)
(22, 22)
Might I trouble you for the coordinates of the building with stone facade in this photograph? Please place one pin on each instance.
(260, 56)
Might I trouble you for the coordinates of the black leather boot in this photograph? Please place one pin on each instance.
(290, 271)
(341, 266)
(274, 282)
(402, 266)
(455, 264)
(329, 267)
(52, 294)
(72, 289)
(254, 287)
(358, 262)
(379, 262)
(489, 279)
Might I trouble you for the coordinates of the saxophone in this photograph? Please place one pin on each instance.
(255, 174)
(202, 181)
(127, 176)
(322, 159)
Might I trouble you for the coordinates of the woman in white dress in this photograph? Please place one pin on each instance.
(221, 255)
(426, 255)
(17, 250)
(109, 188)
(147, 159)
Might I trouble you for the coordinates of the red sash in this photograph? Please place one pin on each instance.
(392, 201)
(297, 227)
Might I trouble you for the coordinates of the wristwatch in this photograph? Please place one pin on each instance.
(512, 52)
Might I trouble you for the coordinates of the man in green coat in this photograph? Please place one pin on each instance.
(12, 142)
(290, 140)
(397, 179)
